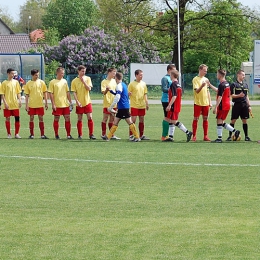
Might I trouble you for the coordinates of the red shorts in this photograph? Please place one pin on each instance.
(222, 114)
(173, 115)
(105, 111)
(201, 110)
(36, 111)
(61, 111)
(137, 111)
(14, 112)
(84, 110)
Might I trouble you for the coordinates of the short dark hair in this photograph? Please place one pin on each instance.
(175, 73)
(81, 67)
(59, 69)
(111, 69)
(137, 72)
(34, 71)
(119, 75)
(10, 70)
(240, 71)
(171, 67)
(222, 72)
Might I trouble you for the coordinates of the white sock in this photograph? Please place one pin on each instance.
(219, 131)
(171, 130)
(228, 127)
(182, 127)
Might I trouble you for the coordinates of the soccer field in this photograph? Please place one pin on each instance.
(86, 199)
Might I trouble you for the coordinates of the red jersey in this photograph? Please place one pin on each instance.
(175, 90)
(224, 92)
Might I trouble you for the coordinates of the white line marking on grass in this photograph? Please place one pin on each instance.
(128, 162)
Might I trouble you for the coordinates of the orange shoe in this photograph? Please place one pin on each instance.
(206, 139)
(194, 138)
(164, 138)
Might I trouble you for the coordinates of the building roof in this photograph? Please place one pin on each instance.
(15, 43)
(6, 26)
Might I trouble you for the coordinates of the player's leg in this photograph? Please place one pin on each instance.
(171, 127)
(114, 127)
(106, 115)
(80, 126)
(67, 124)
(56, 126)
(7, 115)
(235, 113)
(182, 127)
(165, 123)
(41, 126)
(196, 115)
(90, 126)
(142, 113)
(244, 115)
(31, 126)
(205, 115)
(134, 114)
(16, 114)
(110, 124)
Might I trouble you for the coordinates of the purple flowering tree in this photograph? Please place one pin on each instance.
(97, 51)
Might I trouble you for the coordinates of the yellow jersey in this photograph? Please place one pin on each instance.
(35, 90)
(79, 88)
(59, 89)
(201, 98)
(108, 98)
(10, 89)
(138, 91)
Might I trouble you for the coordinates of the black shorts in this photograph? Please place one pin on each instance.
(165, 104)
(240, 110)
(123, 113)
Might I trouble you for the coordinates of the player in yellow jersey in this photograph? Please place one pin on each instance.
(137, 91)
(36, 91)
(108, 83)
(61, 102)
(202, 101)
(81, 87)
(11, 96)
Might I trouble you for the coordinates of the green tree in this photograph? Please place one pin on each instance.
(69, 16)
(7, 18)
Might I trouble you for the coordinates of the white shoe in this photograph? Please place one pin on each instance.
(9, 136)
(115, 137)
(136, 140)
(131, 138)
(17, 136)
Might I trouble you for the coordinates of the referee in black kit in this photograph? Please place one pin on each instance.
(241, 106)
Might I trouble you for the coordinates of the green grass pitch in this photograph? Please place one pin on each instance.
(117, 200)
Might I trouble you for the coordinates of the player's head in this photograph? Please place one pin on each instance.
(139, 75)
(60, 72)
(81, 70)
(10, 73)
(119, 77)
(203, 69)
(221, 74)
(174, 74)
(241, 75)
(35, 74)
(170, 68)
(111, 72)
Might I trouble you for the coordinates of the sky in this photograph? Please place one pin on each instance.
(13, 10)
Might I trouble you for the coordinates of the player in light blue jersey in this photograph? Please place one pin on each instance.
(166, 83)
(122, 101)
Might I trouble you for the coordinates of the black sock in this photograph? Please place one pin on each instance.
(245, 128)
(230, 133)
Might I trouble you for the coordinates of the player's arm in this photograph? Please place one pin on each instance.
(0, 101)
(69, 98)
(52, 101)
(212, 86)
(26, 102)
(19, 99)
(119, 89)
(45, 95)
(209, 97)
(164, 83)
(168, 108)
(87, 86)
(217, 104)
(197, 87)
(104, 88)
(146, 101)
(232, 91)
(76, 99)
(4, 101)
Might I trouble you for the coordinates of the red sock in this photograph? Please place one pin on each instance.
(141, 129)
(90, 126)
(68, 127)
(31, 127)
(205, 127)
(104, 128)
(17, 127)
(110, 125)
(194, 127)
(79, 127)
(8, 127)
(41, 126)
(56, 127)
